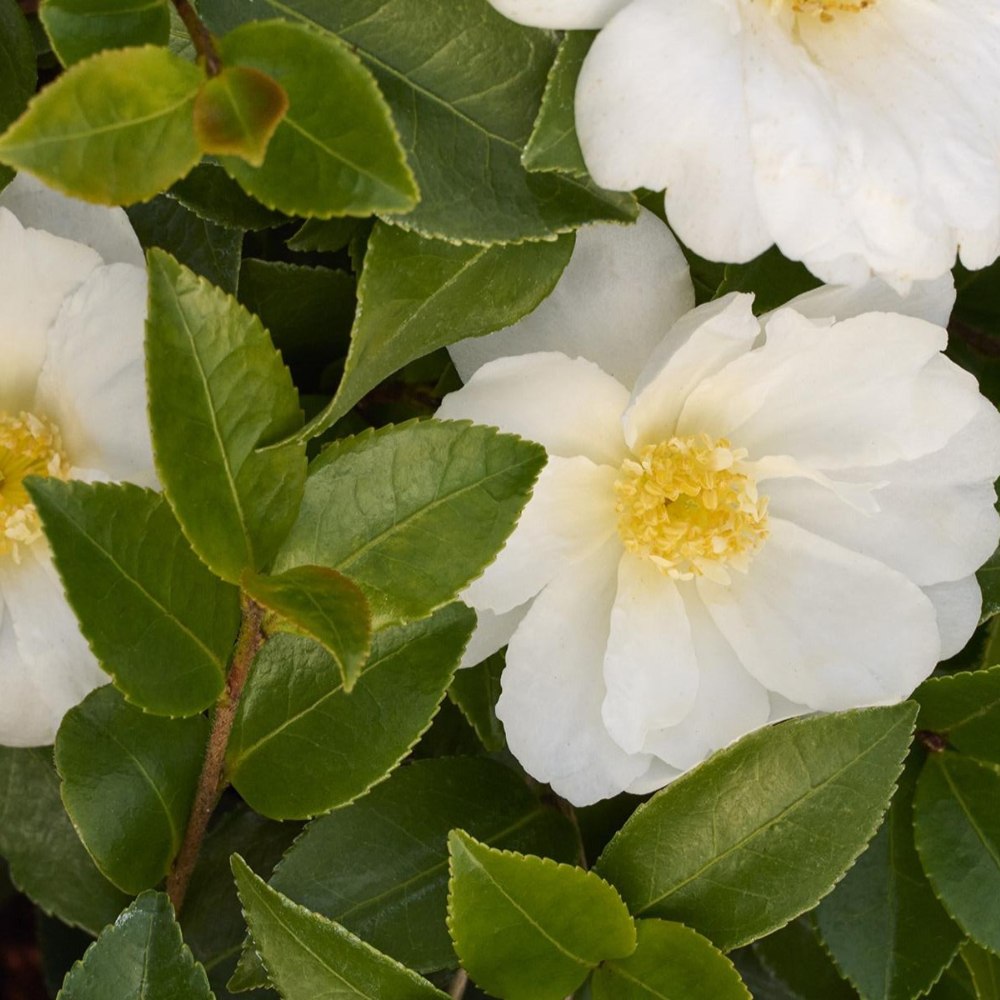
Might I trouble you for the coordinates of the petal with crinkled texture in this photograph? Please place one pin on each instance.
(825, 626)
(560, 13)
(622, 290)
(958, 604)
(568, 405)
(553, 686)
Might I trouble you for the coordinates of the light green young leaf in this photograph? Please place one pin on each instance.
(528, 928)
(294, 702)
(412, 513)
(984, 967)
(416, 295)
(218, 394)
(114, 129)
(17, 69)
(722, 848)
(965, 709)
(308, 956)
(957, 823)
(142, 955)
(81, 28)
(159, 623)
(336, 151)
(128, 781)
(670, 962)
(46, 859)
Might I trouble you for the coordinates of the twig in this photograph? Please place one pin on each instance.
(204, 43)
(457, 989)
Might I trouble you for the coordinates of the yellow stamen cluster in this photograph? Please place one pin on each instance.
(684, 505)
(29, 446)
(826, 10)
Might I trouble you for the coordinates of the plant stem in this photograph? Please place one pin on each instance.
(212, 782)
(204, 43)
(457, 989)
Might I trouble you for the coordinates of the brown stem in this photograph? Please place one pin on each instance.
(212, 782)
(204, 43)
(457, 989)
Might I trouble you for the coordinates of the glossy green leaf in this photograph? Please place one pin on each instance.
(475, 691)
(964, 708)
(883, 924)
(413, 513)
(81, 28)
(17, 69)
(955, 984)
(294, 704)
(799, 965)
(988, 576)
(213, 195)
(481, 100)
(308, 956)
(324, 605)
(128, 781)
(336, 151)
(115, 128)
(416, 295)
(670, 962)
(47, 860)
(218, 393)
(156, 619)
(764, 829)
(984, 967)
(140, 957)
(957, 823)
(528, 928)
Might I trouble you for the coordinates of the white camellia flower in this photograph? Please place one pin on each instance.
(861, 136)
(741, 519)
(72, 405)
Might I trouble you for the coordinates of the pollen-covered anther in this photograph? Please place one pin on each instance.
(826, 10)
(29, 446)
(687, 505)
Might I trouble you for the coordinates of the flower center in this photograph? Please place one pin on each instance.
(29, 446)
(825, 10)
(683, 504)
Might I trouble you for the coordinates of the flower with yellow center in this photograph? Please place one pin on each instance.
(860, 136)
(741, 519)
(72, 405)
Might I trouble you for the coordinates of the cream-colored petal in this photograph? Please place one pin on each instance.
(563, 14)
(492, 633)
(621, 291)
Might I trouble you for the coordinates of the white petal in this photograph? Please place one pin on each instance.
(650, 668)
(824, 626)
(571, 514)
(782, 708)
(39, 270)
(560, 13)
(106, 230)
(492, 633)
(958, 605)
(569, 406)
(730, 702)
(701, 343)
(621, 291)
(93, 383)
(656, 776)
(552, 687)
(25, 719)
(655, 87)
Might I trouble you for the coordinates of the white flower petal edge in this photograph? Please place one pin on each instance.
(560, 13)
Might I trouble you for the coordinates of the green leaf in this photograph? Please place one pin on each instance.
(325, 606)
(417, 295)
(237, 112)
(482, 100)
(413, 513)
(764, 829)
(114, 129)
(772, 278)
(336, 151)
(795, 958)
(965, 709)
(213, 195)
(984, 967)
(308, 956)
(475, 691)
(528, 928)
(380, 865)
(128, 781)
(81, 28)
(326, 235)
(140, 957)
(670, 962)
(957, 823)
(294, 698)
(218, 393)
(47, 860)
(883, 924)
(955, 984)
(988, 576)
(17, 69)
(156, 619)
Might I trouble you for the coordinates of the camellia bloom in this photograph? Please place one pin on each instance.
(72, 405)
(861, 137)
(741, 519)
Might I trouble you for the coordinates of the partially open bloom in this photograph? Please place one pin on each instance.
(741, 519)
(72, 405)
(861, 137)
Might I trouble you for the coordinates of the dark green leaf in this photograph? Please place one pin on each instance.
(796, 960)
(763, 830)
(475, 690)
(984, 966)
(128, 781)
(81, 28)
(772, 278)
(955, 984)
(218, 393)
(964, 708)
(989, 582)
(17, 69)
(328, 235)
(213, 195)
